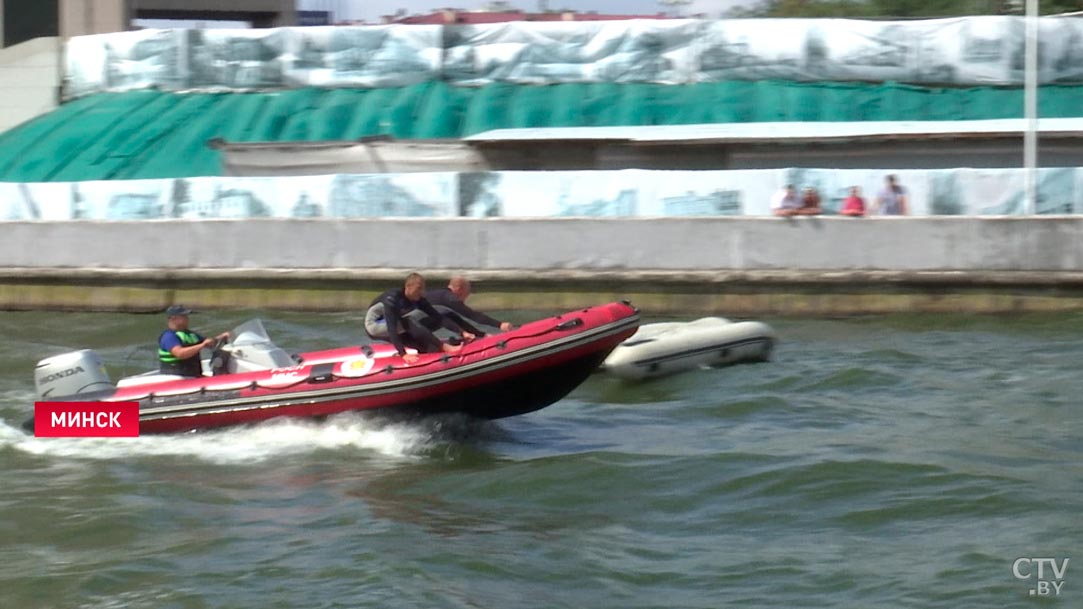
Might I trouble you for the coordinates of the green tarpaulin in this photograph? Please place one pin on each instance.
(154, 134)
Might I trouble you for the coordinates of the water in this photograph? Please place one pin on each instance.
(901, 461)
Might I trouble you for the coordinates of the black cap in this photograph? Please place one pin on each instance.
(177, 310)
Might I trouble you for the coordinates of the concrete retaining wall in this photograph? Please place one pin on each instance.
(633, 244)
(738, 265)
(29, 78)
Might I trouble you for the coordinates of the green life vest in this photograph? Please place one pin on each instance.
(187, 339)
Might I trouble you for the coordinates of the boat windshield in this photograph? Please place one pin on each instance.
(252, 349)
(250, 333)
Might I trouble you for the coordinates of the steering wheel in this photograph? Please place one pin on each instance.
(219, 358)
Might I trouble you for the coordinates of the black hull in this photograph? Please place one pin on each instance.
(512, 396)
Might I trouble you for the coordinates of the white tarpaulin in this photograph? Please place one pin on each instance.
(983, 50)
(370, 56)
(126, 60)
(638, 50)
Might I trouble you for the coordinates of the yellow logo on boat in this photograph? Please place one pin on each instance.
(358, 366)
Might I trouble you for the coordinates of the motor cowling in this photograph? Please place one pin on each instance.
(71, 374)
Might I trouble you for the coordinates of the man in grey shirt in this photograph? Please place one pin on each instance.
(892, 201)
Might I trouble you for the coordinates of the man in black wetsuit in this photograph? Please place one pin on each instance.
(389, 318)
(451, 302)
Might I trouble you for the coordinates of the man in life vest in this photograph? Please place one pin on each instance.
(179, 347)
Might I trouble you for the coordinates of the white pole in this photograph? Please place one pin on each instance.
(1030, 109)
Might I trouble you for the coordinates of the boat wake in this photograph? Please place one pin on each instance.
(252, 444)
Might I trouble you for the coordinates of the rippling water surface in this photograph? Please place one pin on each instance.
(902, 461)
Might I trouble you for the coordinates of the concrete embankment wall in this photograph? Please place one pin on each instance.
(29, 78)
(734, 266)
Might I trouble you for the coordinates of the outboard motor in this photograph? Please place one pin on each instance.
(71, 374)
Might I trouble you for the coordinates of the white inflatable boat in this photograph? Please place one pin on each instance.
(667, 348)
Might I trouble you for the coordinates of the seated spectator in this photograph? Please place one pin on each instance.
(785, 202)
(892, 200)
(810, 203)
(854, 205)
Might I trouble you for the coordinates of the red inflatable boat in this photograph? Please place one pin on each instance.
(496, 376)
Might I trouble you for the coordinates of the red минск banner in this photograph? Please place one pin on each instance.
(86, 419)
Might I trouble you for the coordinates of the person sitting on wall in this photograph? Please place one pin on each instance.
(389, 318)
(179, 347)
(451, 302)
(810, 203)
(892, 200)
(854, 205)
(785, 202)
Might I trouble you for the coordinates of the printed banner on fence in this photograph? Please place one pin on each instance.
(541, 194)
